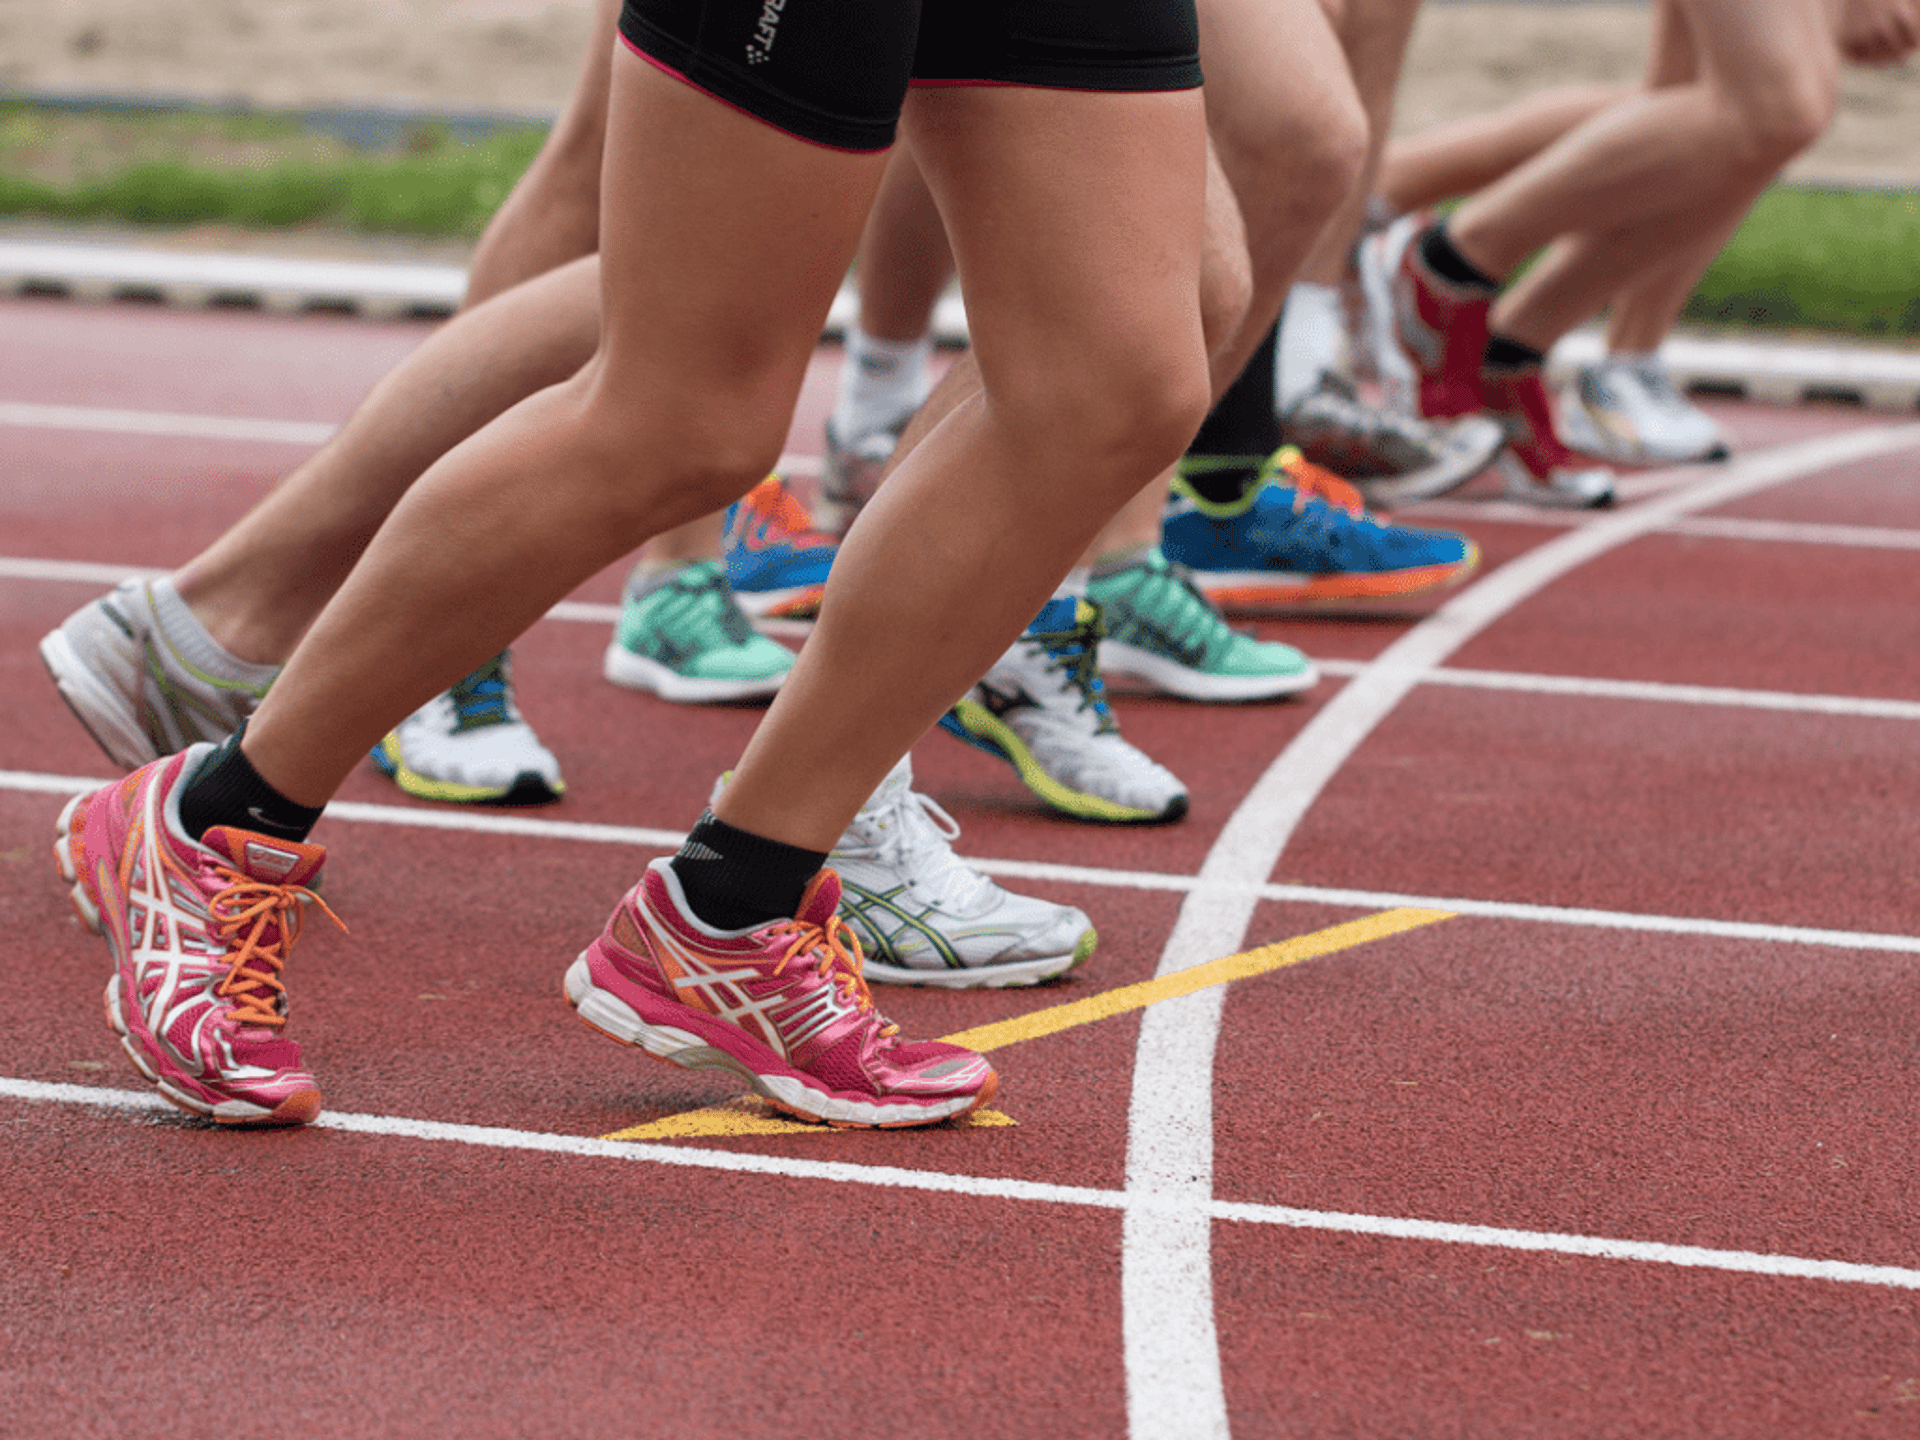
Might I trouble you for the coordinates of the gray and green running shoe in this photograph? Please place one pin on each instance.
(144, 676)
(1161, 629)
(686, 639)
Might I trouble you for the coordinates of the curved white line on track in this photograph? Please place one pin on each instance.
(1174, 1382)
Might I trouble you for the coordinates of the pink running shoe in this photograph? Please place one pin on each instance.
(1537, 466)
(784, 1006)
(1428, 334)
(199, 933)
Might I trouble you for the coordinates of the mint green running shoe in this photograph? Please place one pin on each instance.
(1161, 629)
(687, 640)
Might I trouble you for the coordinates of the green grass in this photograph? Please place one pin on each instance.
(250, 171)
(1837, 261)
(1832, 260)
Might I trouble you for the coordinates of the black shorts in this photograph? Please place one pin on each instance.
(835, 71)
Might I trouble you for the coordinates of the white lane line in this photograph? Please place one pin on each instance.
(1174, 1382)
(100, 420)
(152, 422)
(1587, 687)
(1866, 707)
(1745, 1262)
(644, 838)
(1794, 532)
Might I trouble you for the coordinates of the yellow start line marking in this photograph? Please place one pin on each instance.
(750, 1115)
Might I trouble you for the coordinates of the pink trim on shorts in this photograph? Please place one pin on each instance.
(738, 109)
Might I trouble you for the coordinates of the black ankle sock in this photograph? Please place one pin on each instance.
(227, 790)
(1243, 422)
(1449, 264)
(1242, 425)
(1505, 353)
(733, 879)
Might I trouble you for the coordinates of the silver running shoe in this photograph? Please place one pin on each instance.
(850, 472)
(1042, 708)
(469, 745)
(145, 687)
(1390, 458)
(1629, 411)
(925, 917)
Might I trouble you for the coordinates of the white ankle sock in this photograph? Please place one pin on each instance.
(882, 382)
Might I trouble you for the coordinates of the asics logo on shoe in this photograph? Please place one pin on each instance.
(773, 1018)
(1136, 629)
(269, 862)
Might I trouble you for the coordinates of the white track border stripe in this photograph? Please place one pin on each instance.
(1743, 1262)
(1174, 1382)
(639, 837)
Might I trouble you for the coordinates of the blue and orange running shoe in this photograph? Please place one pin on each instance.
(200, 931)
(1302, 536)
(777, 561)
(784, 1006)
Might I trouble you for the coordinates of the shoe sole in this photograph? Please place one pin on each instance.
(979, 727)
(1253, 589)
(1117, 657)
(528, 787)
(799, 602)
(999, 975)
(607, 1013)
(1521, 486)
(638, 672)
(300, 1108)
(101, 711)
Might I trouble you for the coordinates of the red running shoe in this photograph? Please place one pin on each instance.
(200, 932)
(1429, 334)
(784, 1006)
(1537, 467)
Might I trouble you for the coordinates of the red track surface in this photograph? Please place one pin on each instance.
(1453, 1116)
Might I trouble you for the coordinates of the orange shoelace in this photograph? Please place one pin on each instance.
(835, 951)
(1313, 482)
(269, 916)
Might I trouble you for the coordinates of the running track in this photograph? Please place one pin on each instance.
(1586, 1106)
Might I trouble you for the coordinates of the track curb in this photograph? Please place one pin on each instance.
(1770, 370)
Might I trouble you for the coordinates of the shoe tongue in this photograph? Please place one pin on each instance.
(821, 899)
(261, 857)
(1057, 615)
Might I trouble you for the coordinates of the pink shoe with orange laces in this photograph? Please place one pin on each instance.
(784, 1006)
(200, 932)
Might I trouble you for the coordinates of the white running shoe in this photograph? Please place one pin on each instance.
(1042, 708)
(1627, 409)
(925, 917)
(145, 678)
(469, 745)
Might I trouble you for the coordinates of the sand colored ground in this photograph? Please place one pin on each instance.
(521, 55)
